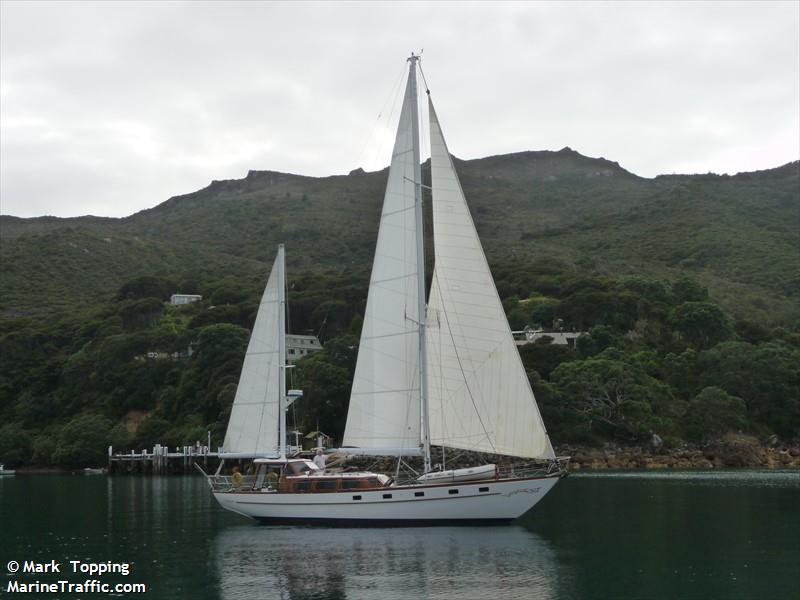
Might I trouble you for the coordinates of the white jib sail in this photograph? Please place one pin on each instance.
(253, 425)
(479, 394)
(384, 410)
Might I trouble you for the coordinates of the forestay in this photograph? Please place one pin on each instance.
(253, 426)
(384, 410)
(479, 395)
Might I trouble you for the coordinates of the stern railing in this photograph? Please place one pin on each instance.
(518, 470)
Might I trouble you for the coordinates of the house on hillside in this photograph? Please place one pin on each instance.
(179, 299)
(298, 346)
(559, 338)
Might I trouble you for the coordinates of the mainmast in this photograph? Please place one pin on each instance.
(281, 262)
(423, 375)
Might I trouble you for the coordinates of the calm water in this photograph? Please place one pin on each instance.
(618, 536)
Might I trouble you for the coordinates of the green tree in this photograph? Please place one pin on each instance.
(15, 445)
(544, 357)
(518, 318)
(543, 312)
(326, 378)
(151, 431)
(702, 324)
(218, 362)
(83, 442)
(687, 289)
(653, 291)
(714, 412)
(598, 339)
(220, 314)
(615, 397)
(587, 307)
(44, 446)
(681, 372)
(229, 292)
(145, 287)
(766, 377)
(139, 314)
(120, 437)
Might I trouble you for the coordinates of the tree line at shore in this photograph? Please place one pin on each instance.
(657, 357)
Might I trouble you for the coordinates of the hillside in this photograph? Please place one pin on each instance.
(737, 235)
(687, 287)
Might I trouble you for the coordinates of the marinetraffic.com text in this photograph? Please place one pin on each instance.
(90, 578)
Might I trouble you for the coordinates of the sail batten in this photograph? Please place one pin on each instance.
(480, 397)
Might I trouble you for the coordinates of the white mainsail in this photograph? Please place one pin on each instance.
(479, 395)
(253, 428)
(384, 412)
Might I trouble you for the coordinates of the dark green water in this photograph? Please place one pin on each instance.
(617, 536)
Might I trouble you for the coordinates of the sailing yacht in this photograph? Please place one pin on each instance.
(445, 372)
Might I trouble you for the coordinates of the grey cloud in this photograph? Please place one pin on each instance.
(110, 108)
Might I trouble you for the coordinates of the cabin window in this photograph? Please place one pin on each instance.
(325, 486)
(297, 468)
(452, 491)
(418, 494)
(387, 496)
(302, 486)
(372, 482)
(350, 484)
(356, 497)
(483, 489)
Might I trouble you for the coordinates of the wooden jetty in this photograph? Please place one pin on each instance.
(160, 461)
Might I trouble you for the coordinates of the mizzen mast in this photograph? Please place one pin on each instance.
(281, 263)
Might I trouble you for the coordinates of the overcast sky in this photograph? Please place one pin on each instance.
(110, 108)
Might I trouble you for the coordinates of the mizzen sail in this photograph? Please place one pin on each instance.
(253, 425)
(479, 394)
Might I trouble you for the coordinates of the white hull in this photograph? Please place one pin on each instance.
(473, 502)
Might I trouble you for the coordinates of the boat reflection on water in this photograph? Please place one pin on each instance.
(439, 562)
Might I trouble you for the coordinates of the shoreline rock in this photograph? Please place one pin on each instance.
(732, 451)
(729, 452)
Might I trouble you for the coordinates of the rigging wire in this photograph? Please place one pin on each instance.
(380, 148)
(421, 72)
(392, 95)
(464, 374)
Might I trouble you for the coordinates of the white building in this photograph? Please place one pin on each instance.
(559, 338)
(298, 346)
(178, 299)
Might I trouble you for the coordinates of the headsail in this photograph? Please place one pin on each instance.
(479, 394)
(254, 422)
(384, 410)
